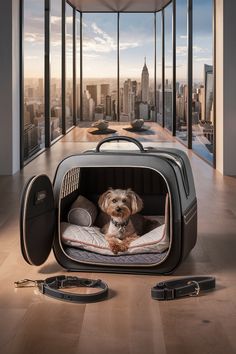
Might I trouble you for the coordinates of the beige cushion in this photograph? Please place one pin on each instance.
(91, 239)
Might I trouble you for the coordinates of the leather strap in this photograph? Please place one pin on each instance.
(53, 287)
(187, 286)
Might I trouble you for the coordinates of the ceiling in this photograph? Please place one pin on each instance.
(119, 5)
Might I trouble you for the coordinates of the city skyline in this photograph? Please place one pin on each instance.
(137, 100)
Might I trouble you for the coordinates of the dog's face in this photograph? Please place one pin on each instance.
(120, 203)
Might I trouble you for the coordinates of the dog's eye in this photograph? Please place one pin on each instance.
(124, 200)
(114, 200)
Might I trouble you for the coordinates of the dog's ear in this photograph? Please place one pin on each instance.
(136, 202)
(103, 200)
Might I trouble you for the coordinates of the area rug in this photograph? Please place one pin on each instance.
(88, 134)
(101, 132)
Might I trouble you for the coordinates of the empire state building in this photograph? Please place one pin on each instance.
(145, 83)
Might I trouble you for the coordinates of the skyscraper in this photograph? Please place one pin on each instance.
(145, 83)
(128, 99)
(105, 91)
(108, 106)
(92, 89)
(209, 81)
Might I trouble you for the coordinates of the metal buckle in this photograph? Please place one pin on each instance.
(197, 288)
(26, 283)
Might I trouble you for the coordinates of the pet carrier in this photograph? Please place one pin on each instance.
(161, 177)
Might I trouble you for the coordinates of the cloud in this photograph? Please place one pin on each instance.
(91, 55)
(181, 50)
(55, 20)
(69, 19)
(31, 57)
(183, 37)
(56, 43)
(197, 49)
(127, 45)
(100, 40)
(205, 59)
(103, 42)
(34, 37)
(96, 29)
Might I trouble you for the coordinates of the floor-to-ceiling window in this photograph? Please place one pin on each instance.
(118, 68)
(99, 66)
(181, 70)
(55, 69)
(203, 80)
(136, 45)
(168, 89)
(159, 51)
(33, 78)
(69, 66)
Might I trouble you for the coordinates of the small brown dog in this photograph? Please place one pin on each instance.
(120, 204)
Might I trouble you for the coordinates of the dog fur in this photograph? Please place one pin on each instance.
(120, 205)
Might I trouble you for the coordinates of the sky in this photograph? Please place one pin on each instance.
(136, 41)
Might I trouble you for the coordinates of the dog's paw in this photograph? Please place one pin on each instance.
(115, 247)
(123, 247)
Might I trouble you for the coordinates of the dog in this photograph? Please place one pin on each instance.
(119, 205)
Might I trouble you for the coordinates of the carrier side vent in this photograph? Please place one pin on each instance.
(70, 182)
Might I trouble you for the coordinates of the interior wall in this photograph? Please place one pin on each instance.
(225, 87)
(9, 87)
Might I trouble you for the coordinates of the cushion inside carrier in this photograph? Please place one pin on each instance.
(91, 239)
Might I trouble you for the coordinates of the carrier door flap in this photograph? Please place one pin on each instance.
(37, 220)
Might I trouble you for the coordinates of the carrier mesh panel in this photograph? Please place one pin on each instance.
(70, 182)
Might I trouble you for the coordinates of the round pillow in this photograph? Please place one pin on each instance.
(82, 212)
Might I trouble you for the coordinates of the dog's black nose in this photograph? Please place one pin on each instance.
(118, 209)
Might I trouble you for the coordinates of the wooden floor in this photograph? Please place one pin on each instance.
(129, 321)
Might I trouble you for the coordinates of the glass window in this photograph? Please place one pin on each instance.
(168, 90)
(99, 66)
(78, 67)
(34, 116)
(159, 48)
(55, 69)
(69, 66)
(202, 101)
(137, 66)
(181, 70)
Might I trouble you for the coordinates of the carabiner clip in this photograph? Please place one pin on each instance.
(26, 283)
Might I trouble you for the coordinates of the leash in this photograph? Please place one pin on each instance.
(167, 290)
(53, 287)
(177, 288)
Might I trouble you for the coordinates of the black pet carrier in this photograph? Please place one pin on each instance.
(156, 175)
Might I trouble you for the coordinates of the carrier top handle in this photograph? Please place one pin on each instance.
(117, 138)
